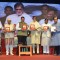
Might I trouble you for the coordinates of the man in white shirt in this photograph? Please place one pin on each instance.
(46, 36)
(22, 34)
(9, 37)
(19, 12)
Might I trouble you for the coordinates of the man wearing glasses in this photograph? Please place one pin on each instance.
(19, 12)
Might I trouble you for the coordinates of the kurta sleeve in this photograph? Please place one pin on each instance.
(39, 27)
(58, 27)
(42, 27)
(0, 25)
(17, 27)
(6, 20)
(29, 26)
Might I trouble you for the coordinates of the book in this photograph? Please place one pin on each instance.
(45, 27)
(7, 29)
(32, 27)
(24, 27)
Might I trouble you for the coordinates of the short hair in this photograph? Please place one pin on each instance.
(8, 7)
(46, 19)
(18, 4)
(34, 16)
(55, 17)
(22, 17)
(44, 6)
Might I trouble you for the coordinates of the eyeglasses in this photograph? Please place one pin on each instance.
(18, 9)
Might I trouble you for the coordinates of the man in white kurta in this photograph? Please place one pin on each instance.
(9, 36)
(56, 36)
(46, 35)
(35, 34)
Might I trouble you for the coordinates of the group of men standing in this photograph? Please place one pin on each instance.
(46, 34)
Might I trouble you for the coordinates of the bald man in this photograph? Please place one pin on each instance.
(9, 36)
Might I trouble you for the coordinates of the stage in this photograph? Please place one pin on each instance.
(27, 57)
(34, 57)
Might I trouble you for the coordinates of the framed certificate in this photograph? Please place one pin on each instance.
(45, 27)
(32, 27)
(7, 29)
(24, 27)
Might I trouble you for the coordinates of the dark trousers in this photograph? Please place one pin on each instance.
(22, 40)
(57, 50)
